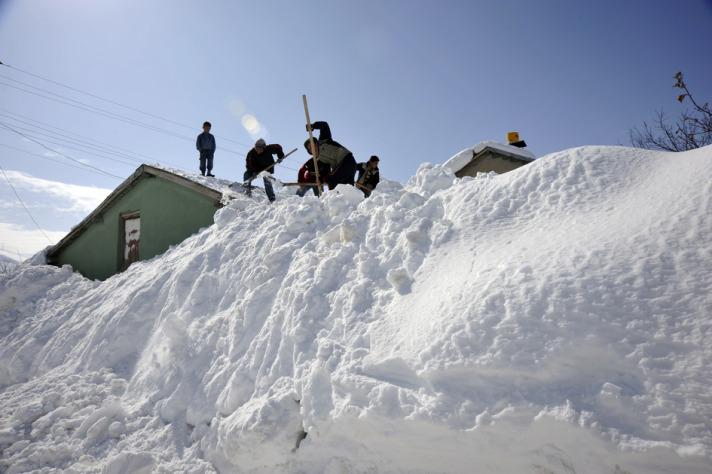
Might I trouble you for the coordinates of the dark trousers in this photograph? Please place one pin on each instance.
(206, 162)
(344, 174)
(250, 175)
(366, 192)
(305, 189)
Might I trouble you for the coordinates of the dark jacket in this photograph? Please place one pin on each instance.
(366, 177)
(325, 133)
(324, 130)
(205, 143)
(332, 155)
(257, 162)
(306, 172)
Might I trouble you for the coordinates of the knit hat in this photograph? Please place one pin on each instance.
(260, 143)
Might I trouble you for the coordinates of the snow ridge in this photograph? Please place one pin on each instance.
(553, 319)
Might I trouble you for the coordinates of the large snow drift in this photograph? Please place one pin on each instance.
(553, 319)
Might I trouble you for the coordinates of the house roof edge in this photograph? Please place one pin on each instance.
(140, 172)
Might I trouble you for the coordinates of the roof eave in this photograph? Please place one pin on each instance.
(505, 153)
(121, 189)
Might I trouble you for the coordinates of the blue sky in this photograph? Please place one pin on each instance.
(411, 81)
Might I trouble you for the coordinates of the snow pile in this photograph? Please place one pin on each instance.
(460, 159)
(228, 189)
(552, 319)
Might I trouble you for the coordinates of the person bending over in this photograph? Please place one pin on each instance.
(259, 159)
(341, 162)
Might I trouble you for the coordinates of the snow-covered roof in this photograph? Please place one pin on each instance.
(462, 158)
(216, 189)
(221, 186)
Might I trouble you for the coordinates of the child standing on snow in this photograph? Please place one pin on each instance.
(205, 144)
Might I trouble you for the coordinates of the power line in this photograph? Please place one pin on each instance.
(83, 144)
(113, 102)
(87, 148)
(95, 147)
(105, 113)
(69, 134)
(64, 100)
(48, 158)
(96, 110)
(288, 167)
(57, 152)
(25, 207)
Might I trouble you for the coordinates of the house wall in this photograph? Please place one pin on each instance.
(169, 213)
(488, 161)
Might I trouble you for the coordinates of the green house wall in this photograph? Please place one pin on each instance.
(169, 213)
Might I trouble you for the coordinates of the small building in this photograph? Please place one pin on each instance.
(150, 211)
(489, 156)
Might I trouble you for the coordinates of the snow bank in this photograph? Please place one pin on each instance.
(552, 319)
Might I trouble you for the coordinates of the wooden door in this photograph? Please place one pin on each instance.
(132, 239)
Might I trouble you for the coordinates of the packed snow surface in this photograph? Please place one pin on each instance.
(555, 319)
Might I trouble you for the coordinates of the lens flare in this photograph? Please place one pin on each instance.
(252, 125)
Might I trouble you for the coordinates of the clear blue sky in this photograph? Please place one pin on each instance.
(412, 81)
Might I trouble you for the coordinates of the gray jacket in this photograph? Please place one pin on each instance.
(205, 143)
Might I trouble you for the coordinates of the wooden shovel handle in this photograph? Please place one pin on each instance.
(311, 141)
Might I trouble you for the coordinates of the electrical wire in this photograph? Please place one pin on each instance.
(69, 134)
(96, 110)
(288, 167)
(48, 139)
(48, 158)
(49, 95)
(80, 147)
(113, 102)
(102, 112)
(25, 207)
(90, 108)
(57, 152)
(84, 144)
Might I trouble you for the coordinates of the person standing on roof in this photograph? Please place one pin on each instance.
(368, 175)
(341, 162)
(259, 159)
(206, 147)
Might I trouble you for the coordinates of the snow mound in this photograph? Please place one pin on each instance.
(552, 319)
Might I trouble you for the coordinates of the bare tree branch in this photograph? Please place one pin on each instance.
(692, 129)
